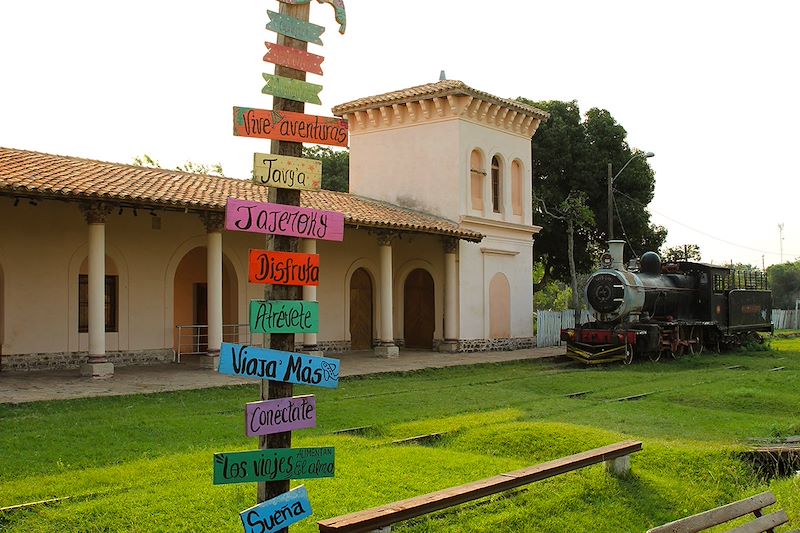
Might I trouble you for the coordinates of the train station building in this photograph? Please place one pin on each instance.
(437, 250)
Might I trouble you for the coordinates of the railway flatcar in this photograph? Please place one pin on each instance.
(668, 309)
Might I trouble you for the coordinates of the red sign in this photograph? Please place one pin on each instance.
(288, 126)
(287, 56)
(283, 268)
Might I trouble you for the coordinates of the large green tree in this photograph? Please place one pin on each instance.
(571, 152)
(335, 166)
(784, 280)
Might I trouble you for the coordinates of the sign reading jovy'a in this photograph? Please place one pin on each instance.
(263, 363)
(279, 219)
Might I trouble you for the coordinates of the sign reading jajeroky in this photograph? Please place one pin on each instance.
(279, 219)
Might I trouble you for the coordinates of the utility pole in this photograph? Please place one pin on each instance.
(780, 239)
(610, 205)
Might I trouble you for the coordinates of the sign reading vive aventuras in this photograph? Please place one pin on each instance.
(289, 126)
(280, 219)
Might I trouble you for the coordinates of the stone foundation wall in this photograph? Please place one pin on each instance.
(70, 360)
(495, 345)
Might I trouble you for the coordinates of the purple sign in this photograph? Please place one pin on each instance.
(279, 219)
(283, 414)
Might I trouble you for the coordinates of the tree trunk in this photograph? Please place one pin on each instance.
(572, 274)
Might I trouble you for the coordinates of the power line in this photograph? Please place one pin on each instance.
(700, 231)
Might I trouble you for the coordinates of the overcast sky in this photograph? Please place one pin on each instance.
(710, 86)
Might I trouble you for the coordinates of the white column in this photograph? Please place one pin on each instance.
(387, 347)
(309, 246)
(97, 364)
(450, 343)
(214, 223)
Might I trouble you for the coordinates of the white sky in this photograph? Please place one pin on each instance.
(710, 86)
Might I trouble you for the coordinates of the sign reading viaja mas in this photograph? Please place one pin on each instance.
(287, 172)
(264, 363)
(289, 126)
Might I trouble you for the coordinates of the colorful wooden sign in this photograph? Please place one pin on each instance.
(278, 513)
(263, 363)
(287, 172)
(279, 219)
(289, 126)
(294, 28)
(283, 268)
(297, 90)
(273, 465)
(338, 7)
(284, 316)
(276, 416)
(286, 56)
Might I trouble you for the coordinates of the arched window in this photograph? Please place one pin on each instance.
(477, 174)
(496, 184)
(516, 187)
(499, 307)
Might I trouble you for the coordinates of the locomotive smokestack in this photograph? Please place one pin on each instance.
(617, 249)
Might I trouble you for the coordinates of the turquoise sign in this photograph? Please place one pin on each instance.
(263, 363)
(278, 464)
(294, 27)
(284, 316)
(277, 513)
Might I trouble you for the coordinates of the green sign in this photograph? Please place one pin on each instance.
(297, 90)
(284, 316)
(294, 27)
(277, 464)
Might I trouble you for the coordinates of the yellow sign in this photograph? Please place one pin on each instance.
(287, 172)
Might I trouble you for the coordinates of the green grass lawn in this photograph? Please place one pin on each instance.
(144, 462)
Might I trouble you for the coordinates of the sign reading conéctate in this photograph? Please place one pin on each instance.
(283, 414)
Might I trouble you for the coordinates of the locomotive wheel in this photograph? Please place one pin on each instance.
(677, 353)
(628, 356)
(654, 356)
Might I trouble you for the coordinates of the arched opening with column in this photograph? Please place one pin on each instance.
(112, 310)
(499, 307)
(2, 310)
(190, 298)
(361, 310)
(419, 320)
(497, 184)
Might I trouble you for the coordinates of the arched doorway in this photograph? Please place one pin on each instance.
(418, 310)
(361, 310)
(190, 300)
(499, 307)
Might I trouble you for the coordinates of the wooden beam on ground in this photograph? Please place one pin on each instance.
(391, 513)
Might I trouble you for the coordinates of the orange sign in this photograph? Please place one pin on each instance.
(288, 126)
(283, 268)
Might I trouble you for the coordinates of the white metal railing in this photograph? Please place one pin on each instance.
(193, 340)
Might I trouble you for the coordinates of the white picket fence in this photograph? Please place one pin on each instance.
(550, 323)
(783, 319)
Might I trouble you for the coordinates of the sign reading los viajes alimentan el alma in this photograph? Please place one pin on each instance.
(275, 464)
(287, 172)
(289, 126)
(264, 363)
(283, 414)
(283, 268)
(280, 219)
(277, 513)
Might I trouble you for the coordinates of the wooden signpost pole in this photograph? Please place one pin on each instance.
(274, 389)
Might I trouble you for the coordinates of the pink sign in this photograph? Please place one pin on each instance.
(279, 219)
(283, 414)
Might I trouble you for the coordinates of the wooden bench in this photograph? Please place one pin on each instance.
(616, 457)
(715, 517)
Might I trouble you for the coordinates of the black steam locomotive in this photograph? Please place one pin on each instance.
(670, 309)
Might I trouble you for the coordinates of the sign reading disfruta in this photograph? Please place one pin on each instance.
(283, 268)
(284, 414)
(277, 513)
(289, 126)
(284, 316)
(264, 363)
(277, 464)
(287, 172)
(280, 219)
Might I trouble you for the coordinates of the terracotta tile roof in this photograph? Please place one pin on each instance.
(432, 90)
(34, 174)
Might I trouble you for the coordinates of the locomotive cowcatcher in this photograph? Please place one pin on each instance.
(670, 309)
